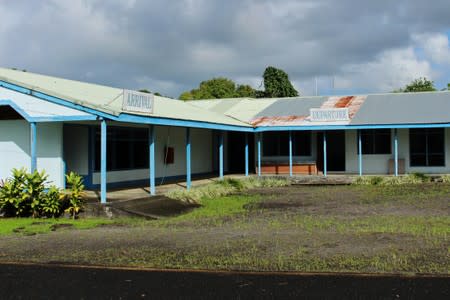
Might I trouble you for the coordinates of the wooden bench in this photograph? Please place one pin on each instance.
(306, 168)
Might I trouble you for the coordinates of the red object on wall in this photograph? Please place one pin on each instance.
(169, 155)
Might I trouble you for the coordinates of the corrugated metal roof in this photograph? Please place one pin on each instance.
(410, 108)
(109, 99)
(404, 108)
(41, 109)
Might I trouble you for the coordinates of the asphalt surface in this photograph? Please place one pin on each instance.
(69, 282)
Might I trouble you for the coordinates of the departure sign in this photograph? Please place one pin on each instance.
(328, 114)
(137, 101)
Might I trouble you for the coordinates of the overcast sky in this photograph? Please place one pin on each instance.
(171, 45)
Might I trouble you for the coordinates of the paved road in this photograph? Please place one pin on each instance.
(64, 282)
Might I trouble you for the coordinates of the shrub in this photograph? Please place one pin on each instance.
(25, 195)
(445, 178)
(11, 193)
(33, 193)
(75, 203)
(50, 205)
(416, 178)
(368, 180)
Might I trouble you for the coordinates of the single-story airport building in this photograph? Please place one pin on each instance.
(116, 138)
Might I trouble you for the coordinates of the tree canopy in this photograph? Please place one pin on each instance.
(148, 92)
(277, 84)
(418, 85)
(218, 88)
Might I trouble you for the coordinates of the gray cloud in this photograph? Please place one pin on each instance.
(170, 46)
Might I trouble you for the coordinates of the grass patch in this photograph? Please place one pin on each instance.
(227, 186)
(215, 210)
(413, 178)
(30, 226)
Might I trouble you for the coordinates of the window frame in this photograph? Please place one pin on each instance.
(132, 141)
(372, 134)
(294, 143)
(426, 132)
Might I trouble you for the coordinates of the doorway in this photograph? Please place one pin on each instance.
(335, 151)
(236, 152)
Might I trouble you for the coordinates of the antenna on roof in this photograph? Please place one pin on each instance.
(317, 89)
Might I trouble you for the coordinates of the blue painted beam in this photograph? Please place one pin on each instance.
(103, 137)
(325, 153)
(246, 154)
(188, 158)
(290, 153)
(33, 146)
(359, 153)
(151, 144)
(349, 127)
(221, 154)
(258, 135)
(395, 152)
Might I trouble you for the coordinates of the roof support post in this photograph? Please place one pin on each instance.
(103, 136)
(359, 153)
(325, 153)
(188, 158)
(33, 146)
(151, 145)
(290, 153)
(258, 136)
(246, 154)
(395, 152)
(221, 154)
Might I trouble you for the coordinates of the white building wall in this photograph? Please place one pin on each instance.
(15, 149)
(14, 146)
(201, 155)
(49, 138)
(379, 164)
(76, 148)
(372, 163)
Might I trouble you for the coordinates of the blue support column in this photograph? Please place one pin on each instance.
(221, 154)
(103, 134)
(258, 135)
(359, 153)
(151, 144)
(246, 154)
(290, 153)
(395, 152)
(33, 144)
(188, 158)
(324, 154)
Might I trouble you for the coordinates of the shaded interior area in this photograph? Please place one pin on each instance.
(9, 113)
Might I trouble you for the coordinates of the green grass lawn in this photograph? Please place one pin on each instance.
(401, 229)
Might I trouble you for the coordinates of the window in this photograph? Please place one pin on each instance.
(426, 147)
(375, 141)
(277, 143)
(127, 148)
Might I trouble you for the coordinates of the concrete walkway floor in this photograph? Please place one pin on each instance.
(144, 192)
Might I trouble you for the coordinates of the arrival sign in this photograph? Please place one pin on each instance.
(137, 101)
(328, 114)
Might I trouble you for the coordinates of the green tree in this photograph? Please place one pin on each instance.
(277, 84)
(419, 85)
(245, 91)
(148, 92)
(218, 88)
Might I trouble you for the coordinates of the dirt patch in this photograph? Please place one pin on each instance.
(55, 227)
